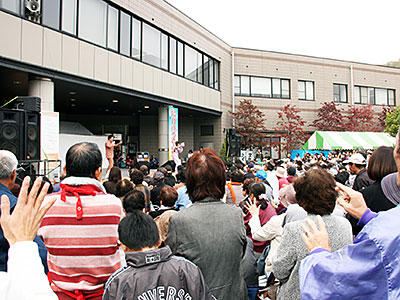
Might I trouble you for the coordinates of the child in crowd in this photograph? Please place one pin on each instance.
(152, 273)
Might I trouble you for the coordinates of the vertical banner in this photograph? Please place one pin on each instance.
(172, 129)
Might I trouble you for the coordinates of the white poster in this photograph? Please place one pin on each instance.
(49, 135)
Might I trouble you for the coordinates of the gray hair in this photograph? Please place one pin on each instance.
(8, 164)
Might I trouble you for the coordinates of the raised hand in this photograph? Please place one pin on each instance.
(314, 237)
(352, 201)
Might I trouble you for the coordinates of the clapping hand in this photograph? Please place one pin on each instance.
(314, 237)
(24, 222)
(352, 201)
(251, 206)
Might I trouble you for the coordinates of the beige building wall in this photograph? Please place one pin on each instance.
(323, 72)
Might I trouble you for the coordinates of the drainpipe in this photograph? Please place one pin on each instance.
(233, 86)
(352, 84)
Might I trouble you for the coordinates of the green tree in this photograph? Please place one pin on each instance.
(392, 122)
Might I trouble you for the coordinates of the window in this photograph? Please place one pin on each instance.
(237, 85)
(207, 130)
(92, 21)
(206, 71)
(10, 5)
(306, 90)
(374, 96)
(244, 85)
(164, 52)
(172, 55)
(136, 38)
(68, 20)
(216, 74)
(125, 34)
(199, 67)
(340, 93)
(261, 87)
(180, 58)
(51, 13)
(151, 45)
(285, 89)
(112, 36)
(211, 69)
(193, 64)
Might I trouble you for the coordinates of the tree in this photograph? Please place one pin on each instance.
(329, 118)
(392, 121)
(249, 123)
(380, 126)
(360, 118)
(291, 124)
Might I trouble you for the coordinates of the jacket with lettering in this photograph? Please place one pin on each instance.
(157, 274)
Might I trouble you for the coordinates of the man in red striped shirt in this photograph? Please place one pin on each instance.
(80, 231)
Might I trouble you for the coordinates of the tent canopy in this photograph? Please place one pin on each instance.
(331, 140)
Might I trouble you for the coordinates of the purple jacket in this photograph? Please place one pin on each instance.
(367, 269)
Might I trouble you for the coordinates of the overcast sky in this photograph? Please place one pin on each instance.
(357, 30)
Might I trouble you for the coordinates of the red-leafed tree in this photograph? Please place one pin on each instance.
(249, 123)
(329, 118)
(360, 118)
(381, 118)
(291, 124)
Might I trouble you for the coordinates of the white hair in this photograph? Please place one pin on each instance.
(8, 164)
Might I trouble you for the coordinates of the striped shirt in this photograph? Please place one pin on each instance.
(82, 254)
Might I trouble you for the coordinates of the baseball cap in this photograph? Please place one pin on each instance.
(261, 174)
(357, 159)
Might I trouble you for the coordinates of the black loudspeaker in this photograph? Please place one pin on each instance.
(12, 131)
(235, 143)
(28, 103)
(32, 135)
(20, 133)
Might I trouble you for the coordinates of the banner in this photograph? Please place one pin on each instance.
(172, 129)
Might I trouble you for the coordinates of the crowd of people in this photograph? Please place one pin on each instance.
(311, 227)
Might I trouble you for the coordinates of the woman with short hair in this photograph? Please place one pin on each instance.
(316, 193)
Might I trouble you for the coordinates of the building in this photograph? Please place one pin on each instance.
(115, 67)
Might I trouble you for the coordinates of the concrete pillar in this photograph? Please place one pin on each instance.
(163, 134)
(44, 89)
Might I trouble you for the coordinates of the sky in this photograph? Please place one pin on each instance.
(356, 30)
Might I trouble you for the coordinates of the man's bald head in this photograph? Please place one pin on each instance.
(83, 160)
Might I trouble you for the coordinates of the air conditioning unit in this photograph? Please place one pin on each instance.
(32, 7)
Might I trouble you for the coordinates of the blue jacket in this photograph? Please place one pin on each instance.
(4, 246)
(367, 269)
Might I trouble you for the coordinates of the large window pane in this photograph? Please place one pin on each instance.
(199, 67)
(309, 90)
(237, 85)
(136, 38)
(112, 37)
(260, 87)
(51, 13)
(68, 22)
(190, 63)
(10, 5)
(92, 21)
(172, 55)
(285, 88)
(180, 58)
(211, 64)
(207, 71)
(125, 34)
(364, 95)
(336, 93)
(357, 98)
(276, 88)
(381, 97)
(151, 45)
(164, 51)
(245, 85)
(216, 74)
(343, 93)
(301, 90)
(371, 95)
(391, 97)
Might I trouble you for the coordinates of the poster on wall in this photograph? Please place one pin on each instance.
(172, 129)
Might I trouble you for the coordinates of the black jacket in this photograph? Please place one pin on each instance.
(157, 274)
(362, 181)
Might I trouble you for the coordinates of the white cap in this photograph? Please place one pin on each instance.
(357, 159)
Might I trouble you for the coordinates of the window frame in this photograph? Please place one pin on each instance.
(280, 96)
(359, 87)
(305, 90)
(347, 92)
